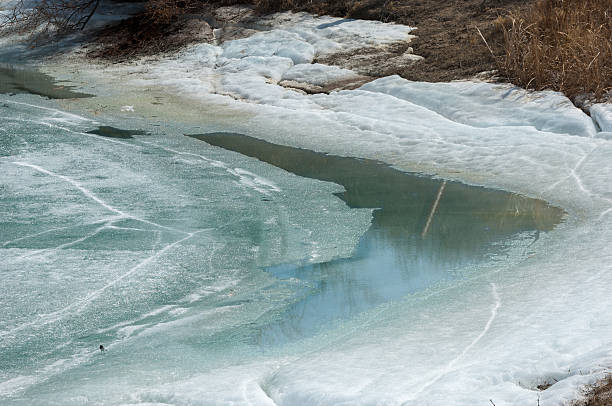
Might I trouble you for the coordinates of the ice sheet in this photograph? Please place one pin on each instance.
(329, 34)
(99, 234)
(285, 48)
(484, 105)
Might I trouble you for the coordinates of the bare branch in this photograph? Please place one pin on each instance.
(48, 17)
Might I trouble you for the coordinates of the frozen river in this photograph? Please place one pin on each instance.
(213, 271)
(180, 219)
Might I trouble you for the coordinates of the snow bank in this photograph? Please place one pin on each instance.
(250, 68)
(330, 34)
(484, 105)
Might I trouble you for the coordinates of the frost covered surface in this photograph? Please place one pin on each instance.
(498, 335)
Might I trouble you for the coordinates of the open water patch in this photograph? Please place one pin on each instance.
(113, 132)
(17, 80)
(424, 231)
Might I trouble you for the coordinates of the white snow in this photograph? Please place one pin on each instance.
(250, 68)
(271, 43)
(271, 67)
(330, 34)
(318, 74)
(484, 105)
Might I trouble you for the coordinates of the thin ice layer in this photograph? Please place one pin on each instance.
(104, 240)
(318, 74)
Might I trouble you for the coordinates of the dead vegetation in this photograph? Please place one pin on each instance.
(598, 395)
(563, 45)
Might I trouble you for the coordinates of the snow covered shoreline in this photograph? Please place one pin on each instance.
(545, 319)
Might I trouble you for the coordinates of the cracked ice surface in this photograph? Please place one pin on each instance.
(98, 233)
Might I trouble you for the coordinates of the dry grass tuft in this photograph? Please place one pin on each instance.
(564, 45)
(163, 11)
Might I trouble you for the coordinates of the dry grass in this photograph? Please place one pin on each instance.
(163, 11)
(564, 45)
(598, 395)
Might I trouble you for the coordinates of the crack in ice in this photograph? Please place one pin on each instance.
(65, 245)
(91, 296)
(76, 184)
(88, 193)
(451, 364)
(94, 136)
(80, 118)
(574, 175)
(25, 237)
(81, 304)
(245, 178)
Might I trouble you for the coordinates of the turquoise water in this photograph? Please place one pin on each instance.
(188, 258)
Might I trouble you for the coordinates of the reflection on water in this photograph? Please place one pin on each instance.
(15, 79)
(423, 231)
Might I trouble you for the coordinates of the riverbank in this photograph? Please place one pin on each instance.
(563, 46)
(599, 394)
(447, 35)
